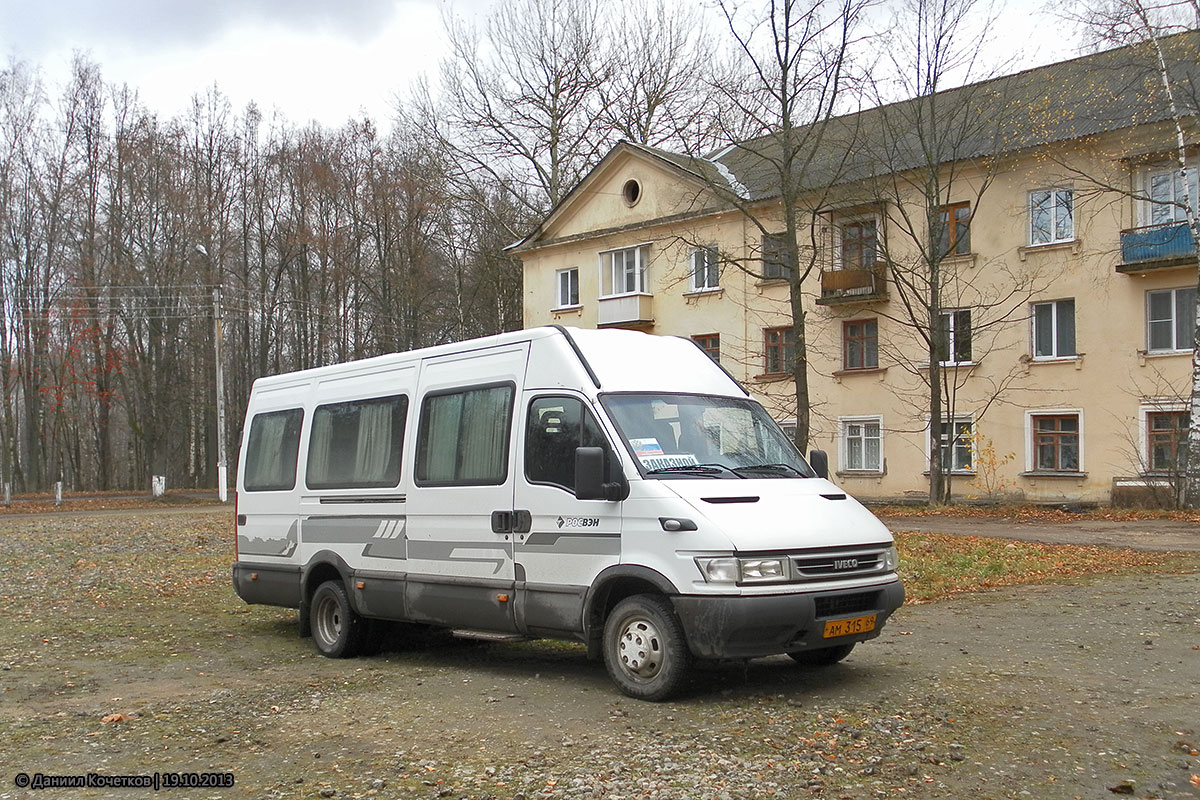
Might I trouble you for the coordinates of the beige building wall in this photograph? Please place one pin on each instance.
(1109, 387)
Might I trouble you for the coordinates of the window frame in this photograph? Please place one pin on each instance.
(1054, 204)
(609, 271)
(1146, 410)
(1031, 444)
(1150, 208)
(710, 343)
(772, 256)
(422, 434)
(864, 341)
(561, 301)
(1055, 330)
(1174, 321)
(711, 268)
(782, 346)
(953, 420)
(954, 339)
(844, 444)
(861, 263)
(953, 231)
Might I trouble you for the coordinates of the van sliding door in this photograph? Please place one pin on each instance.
(460, 512)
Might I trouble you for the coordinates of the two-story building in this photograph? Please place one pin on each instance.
(1067, 280)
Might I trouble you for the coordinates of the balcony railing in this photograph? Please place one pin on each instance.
(1156, 247)
(632, 310)
(849, 285)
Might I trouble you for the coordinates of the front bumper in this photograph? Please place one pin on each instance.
(761, 625)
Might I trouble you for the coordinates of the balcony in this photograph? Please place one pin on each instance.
(625, 310)
(853, 285)
(1156, 247)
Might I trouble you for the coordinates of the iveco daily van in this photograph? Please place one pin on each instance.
(611, 487)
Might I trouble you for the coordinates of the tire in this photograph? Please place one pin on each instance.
(645, 649)
(822, 657)
(337, 629)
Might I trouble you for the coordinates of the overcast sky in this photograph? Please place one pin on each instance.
(323, 60)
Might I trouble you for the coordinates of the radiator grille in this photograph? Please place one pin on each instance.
(843, 604)
(832, 566)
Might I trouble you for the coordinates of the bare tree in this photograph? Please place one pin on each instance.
(784, 86)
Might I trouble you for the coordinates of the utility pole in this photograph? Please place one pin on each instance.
(222, 468)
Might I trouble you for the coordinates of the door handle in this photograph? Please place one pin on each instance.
(502, 522)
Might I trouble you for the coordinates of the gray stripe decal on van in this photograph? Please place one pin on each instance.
(598, 544)
(445, 551)
(352, 530)
(254, 546)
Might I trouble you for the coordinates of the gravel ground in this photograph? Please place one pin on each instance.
(125, 651)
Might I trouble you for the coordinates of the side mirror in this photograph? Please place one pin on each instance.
(596, 478)
(819, 461)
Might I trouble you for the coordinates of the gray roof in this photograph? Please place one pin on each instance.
(1094, 94)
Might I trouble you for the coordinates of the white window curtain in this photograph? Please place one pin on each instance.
(374, 446)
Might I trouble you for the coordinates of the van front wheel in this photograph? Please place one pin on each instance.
(336, 628)
(645, 649)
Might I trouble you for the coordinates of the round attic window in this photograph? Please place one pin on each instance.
(632, 192)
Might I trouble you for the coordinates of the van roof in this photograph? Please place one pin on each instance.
(615, 359)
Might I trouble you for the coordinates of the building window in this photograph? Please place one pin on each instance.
(780, 350)
(860, 344)
(1051, 216)
(705, 269)
(952, 236)
(859, 244)
(624, 271)
(776, 260)
(1054, 329)
(954, 444)
(1165, 190)
(1166, 440)
(1055, 442)
(710, 343)
(568, 287)
(954, 340)
(862, 444)
(1170, 320)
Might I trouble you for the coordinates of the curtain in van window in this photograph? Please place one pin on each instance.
(485, 434)
(374, 446)
(271, 451)
(464, 436)
(320, 443)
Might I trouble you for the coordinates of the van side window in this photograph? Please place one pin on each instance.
(356, 445)
(463, 437)
(555, 427)
(272, 450)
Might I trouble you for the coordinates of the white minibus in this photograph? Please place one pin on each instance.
(606, 486)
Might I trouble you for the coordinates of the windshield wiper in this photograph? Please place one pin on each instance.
(699, 469)
(770, 468)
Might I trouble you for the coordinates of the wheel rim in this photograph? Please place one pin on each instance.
(640, 649)
(329, 620)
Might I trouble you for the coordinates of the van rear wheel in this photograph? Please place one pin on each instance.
(337, 629)
(645, 650)
(823, 657)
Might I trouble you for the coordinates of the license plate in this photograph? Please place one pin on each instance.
(848, 627)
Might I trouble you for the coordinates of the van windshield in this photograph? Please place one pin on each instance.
(700, 436)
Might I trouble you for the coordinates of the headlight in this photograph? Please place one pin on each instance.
(719, 570)
(763, 570)
(743, 570)
(891, 559)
